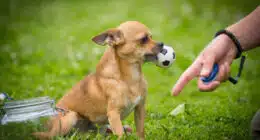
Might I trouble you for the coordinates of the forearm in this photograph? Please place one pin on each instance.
(247, 30)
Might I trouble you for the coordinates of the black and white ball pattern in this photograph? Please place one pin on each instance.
(166, 57)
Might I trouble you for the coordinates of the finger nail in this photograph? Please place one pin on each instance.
(174, 93)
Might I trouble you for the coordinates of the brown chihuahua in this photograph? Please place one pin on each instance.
(116, 88)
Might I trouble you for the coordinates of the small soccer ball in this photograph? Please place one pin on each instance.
(166, 57)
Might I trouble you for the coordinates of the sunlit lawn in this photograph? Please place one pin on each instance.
(46, 48)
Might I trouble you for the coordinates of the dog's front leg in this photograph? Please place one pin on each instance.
(114, 119)
(139, 119)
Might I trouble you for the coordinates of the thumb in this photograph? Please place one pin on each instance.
(207, 66)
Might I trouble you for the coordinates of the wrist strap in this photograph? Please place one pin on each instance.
(239, 52)
(235, 80)
(234, 39)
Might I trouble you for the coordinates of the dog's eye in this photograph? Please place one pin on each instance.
(111, 37)
(144, 39)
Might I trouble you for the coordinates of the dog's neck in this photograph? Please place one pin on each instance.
(130, 72)
(113, 66)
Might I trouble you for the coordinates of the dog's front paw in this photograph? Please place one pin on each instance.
(107, 130)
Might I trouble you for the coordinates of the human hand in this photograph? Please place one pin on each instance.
(220, 50)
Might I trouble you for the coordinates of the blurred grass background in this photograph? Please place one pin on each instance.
(46, 47)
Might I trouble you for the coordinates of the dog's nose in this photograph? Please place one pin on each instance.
(160, 44)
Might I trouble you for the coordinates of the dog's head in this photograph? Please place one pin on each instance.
(132, 41)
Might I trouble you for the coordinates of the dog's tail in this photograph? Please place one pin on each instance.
(59, 125)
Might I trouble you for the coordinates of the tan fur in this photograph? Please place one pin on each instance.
(103, 96)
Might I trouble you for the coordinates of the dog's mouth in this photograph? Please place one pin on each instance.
(150, 57)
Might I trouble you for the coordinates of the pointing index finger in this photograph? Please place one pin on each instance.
(188, 75)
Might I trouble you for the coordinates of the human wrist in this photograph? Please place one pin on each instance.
(234, 40)
(230, 46)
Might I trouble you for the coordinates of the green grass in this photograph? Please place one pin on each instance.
(46, 48)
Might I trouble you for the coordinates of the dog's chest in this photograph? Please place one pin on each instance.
(130, 105)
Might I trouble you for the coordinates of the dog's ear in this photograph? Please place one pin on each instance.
(112, 37)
